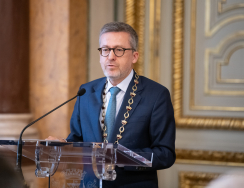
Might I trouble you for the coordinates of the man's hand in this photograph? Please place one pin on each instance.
(56, 139)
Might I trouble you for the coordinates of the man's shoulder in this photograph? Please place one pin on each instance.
(152, 85)
(93, 84)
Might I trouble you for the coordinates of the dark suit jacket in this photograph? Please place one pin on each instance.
(150, 128)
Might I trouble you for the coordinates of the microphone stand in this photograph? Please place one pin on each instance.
(20, 143)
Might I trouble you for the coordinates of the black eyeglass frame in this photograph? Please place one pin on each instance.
(99, 49)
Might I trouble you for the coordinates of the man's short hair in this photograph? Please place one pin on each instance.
(121, 27)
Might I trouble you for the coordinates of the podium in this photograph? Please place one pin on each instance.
(78, 164)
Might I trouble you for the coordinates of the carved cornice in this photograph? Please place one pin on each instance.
(196, 179)
(210, 157)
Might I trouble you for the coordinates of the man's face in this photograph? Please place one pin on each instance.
(117, 68)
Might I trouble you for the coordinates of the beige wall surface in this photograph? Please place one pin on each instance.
(100, 12)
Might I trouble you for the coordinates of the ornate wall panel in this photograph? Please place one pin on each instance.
(224, 5)
(207, 94)
(220, 13)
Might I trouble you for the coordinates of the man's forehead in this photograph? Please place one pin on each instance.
(116, 32)
(115, 38)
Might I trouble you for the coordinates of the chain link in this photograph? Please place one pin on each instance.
(126, 115)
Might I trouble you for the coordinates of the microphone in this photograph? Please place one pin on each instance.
(19, 146)
(80, 92)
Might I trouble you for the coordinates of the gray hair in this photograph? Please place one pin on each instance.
(121, 27)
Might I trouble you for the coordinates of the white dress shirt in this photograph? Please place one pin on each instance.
(119, 97)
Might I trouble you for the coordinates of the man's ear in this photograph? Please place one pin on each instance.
(135, 57)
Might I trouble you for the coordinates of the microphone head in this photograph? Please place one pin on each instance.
(81, 92)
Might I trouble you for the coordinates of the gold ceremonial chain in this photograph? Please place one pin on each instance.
(126, 115)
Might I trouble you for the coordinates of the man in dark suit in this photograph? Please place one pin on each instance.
(143, 118)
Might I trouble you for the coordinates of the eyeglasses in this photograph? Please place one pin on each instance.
(118, 51)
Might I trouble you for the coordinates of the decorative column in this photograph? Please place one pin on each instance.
(14, 69)
(58, 60)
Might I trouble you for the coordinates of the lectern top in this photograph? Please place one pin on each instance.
(47, 151)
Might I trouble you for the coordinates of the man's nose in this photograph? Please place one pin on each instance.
(111, 55)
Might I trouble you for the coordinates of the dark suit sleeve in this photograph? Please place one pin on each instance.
(75, 124)
(162, 134)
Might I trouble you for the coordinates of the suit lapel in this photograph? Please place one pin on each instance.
(125, 103)
(95, 109)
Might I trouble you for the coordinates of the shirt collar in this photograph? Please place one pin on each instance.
(122, 85)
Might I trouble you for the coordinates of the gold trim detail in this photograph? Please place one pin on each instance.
(207, 157)
(222, 10)
(236, 37)
(178, 59)
(211, 31)
(192, 53)
(135, 16)
(196, 179)
(218, 108)
(154, 28)
(226, 63)
(177, 94)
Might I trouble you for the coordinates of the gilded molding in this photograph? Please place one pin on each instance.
(135, 16)
(154, 28)
(130, 12)
(234, 41)
(226, 63)
(178, 59)
(207, 157)
(209, 32)
(177, 94)
(192, 52)
(222, 10)
(195, 179)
